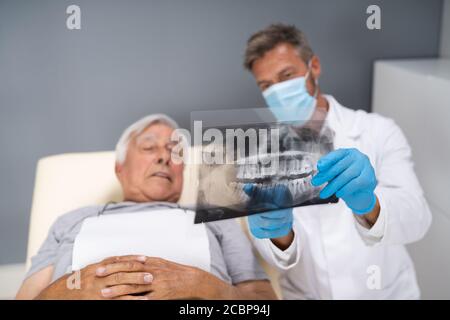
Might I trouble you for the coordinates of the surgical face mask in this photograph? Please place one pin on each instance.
(290, 101)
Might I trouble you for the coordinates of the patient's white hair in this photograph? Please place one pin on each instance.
(138, 127)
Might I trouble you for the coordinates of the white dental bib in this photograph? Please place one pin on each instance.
(165, 233)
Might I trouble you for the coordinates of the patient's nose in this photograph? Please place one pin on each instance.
(163, 156)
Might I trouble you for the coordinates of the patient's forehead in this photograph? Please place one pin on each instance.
(156, 132)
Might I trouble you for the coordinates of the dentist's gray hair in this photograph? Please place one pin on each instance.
(138, 127)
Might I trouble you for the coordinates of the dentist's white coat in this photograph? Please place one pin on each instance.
(333, 256)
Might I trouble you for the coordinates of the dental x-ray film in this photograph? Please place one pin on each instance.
(255, 163)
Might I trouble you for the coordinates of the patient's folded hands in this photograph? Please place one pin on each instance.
(168, 280)
(133, 278)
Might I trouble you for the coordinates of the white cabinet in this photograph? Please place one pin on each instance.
(416, 94)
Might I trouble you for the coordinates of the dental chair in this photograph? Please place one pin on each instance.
(69, 181)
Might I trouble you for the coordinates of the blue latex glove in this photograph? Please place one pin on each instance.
(350, 176)
(270, 224)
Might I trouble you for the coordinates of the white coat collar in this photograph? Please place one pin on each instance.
(343, 120)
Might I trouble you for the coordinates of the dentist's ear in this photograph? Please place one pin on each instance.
(315, 67)
(313, 81)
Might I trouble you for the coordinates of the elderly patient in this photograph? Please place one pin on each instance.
(150, 181)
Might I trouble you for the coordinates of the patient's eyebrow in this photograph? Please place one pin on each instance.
(151, 137)
(146, 137)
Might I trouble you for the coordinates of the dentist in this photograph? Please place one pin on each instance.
(353, 249)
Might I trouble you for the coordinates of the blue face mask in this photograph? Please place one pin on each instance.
(290, 101)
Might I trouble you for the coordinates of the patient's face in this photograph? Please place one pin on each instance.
(148, 173)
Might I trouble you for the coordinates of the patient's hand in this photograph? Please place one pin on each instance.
(170, 280)
(95, 285)
(144, 278)
(176, 281)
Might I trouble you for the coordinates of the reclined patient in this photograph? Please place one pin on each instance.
(151, 183)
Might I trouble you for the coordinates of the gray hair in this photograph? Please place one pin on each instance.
(267, 39)
(138, 127)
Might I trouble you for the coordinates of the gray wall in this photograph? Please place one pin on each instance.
(67, 91)
(445, 30)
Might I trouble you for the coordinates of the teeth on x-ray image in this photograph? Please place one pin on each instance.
(290, 168)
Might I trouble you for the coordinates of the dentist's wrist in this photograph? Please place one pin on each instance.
(371, 217)
(284, 242)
